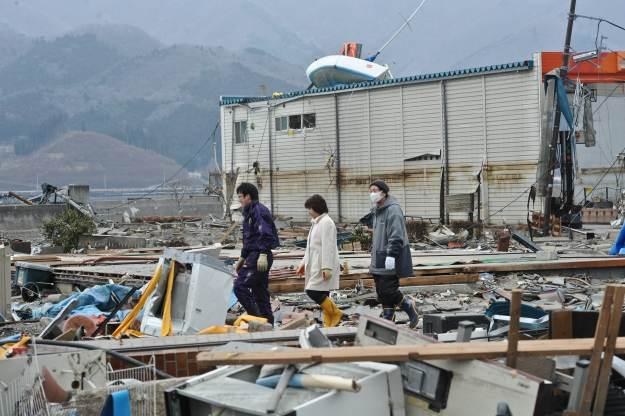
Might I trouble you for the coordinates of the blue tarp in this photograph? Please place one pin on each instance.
(94, 301)
(564, 102)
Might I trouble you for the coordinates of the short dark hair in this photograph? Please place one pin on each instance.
(317, 204)
(247, 188)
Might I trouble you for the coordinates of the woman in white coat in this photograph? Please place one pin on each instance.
(321, 266)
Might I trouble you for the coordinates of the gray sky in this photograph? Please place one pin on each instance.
(446, 34)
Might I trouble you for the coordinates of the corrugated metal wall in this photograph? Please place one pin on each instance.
(422, 123)
(356, 164)
(465, 130)
(396, 133)
(512, 122)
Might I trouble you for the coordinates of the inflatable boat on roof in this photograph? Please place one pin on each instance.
(333, 70)
(348, 67)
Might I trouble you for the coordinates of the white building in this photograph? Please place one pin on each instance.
(336, 141)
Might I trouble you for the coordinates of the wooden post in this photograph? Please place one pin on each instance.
(595, 358)
(606, 364)
(513, 332)
(5, 282)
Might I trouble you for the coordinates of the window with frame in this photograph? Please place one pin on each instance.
(240, 132)
(295, 122)
(282, 123)
(309, 120)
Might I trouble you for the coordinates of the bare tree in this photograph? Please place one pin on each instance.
(178, 191)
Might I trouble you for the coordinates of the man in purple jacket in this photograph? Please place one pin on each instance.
(259, 236)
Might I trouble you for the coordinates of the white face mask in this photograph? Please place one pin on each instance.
(375, 197)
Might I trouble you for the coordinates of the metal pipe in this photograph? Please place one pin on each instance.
(116, 309)
(19, 198)
(337, 156)
(270, 159)
(445, 194)
(579, 380)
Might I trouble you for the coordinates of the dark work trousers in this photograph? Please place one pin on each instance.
(387, 288)
(318, 295)
(252, 287)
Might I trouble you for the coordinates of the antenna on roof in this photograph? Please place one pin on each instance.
(397, 32)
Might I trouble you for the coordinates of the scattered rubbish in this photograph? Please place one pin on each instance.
(312, 337)
(443, 235)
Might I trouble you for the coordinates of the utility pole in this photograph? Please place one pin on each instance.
(564, 69)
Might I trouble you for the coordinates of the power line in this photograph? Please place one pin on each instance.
(183, 167)
(600, 20)
(605, 99)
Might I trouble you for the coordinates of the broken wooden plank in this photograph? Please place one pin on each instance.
(606, 364)
(568, 264)
(395, 353)
(598, 341)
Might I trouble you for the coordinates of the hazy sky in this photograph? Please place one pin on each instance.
(446, 34)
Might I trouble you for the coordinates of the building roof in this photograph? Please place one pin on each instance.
(510, 67)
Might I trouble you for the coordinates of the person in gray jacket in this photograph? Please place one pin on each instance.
(390, 253)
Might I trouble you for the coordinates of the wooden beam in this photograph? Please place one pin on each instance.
(290, 285)
(513, 332)
(606, 364)
(597, 349)
(395, 353)
(573, 264)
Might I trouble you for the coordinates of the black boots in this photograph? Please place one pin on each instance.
(408, 305)
(389, 314)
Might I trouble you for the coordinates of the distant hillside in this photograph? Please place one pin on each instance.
(86, 157)
(128, 40)
(234, 25)
(122, 83)
(62, 62)
(12, 45)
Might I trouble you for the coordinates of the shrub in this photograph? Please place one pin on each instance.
(66, 228)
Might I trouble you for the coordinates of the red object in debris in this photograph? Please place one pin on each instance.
(89, 323)
(456, 244)
(503, 242)
(352, 49)
(18, 351)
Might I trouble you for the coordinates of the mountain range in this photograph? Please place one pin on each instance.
(118, 81)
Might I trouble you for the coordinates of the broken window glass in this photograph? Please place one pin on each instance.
(309, 120)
